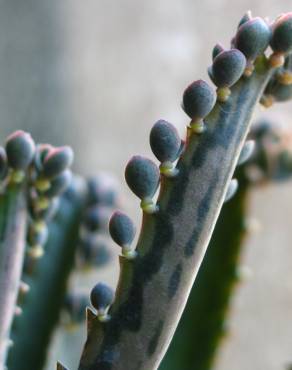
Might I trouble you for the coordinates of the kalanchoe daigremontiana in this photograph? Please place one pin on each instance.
(205, 319)
(246, 152)
(122, 230)
(228, 66)
(232, 188)
(154, 286)
(101, 297)
(252, 39)
(75, 304)
(166, 146)
(13, 219)
(279, 88)
(56, 161)
(142, 176)
(24, 213)
(78, 233)
(47, 274)
(272, 158)
(198, 100)
(20, 149)
(101, 198)
(49, 178)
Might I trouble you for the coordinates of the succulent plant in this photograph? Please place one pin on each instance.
(24, 221)
(49, 219)
(42, 210)
(203, 323)
(68, 241)
(154, 286)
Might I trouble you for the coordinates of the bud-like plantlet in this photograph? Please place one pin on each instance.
(165, 144)
(253, 38)
(75, 304)
(247, 17)
(227, 69)
(56, 161)
(233, 186)
(218, 48)
(102, 190)
(24, 288)
(76, 188)
(142, 177)
(20, 149)
(198, 100)
(48, 213)
(96, 218)
(284, 75)
(101, 297)
(42, 150)
(122, 231)
(281, 41)
(59, 184)
(246, 152)
(260, 130)
(3, 163)
(37, 233)
(34, 252)
(278, 91)
(93, 252)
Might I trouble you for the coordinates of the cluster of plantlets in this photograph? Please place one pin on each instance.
(132, 328)
(77, 242)
(44, 210)
(205, 319)
(32, 178)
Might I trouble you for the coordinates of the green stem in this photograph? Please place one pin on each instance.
(153, 288)
(33, 329)
(13, 220)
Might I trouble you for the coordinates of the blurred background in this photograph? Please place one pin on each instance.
(96, 75)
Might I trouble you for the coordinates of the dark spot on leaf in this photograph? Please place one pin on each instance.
(174, 280)
(154, 340)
